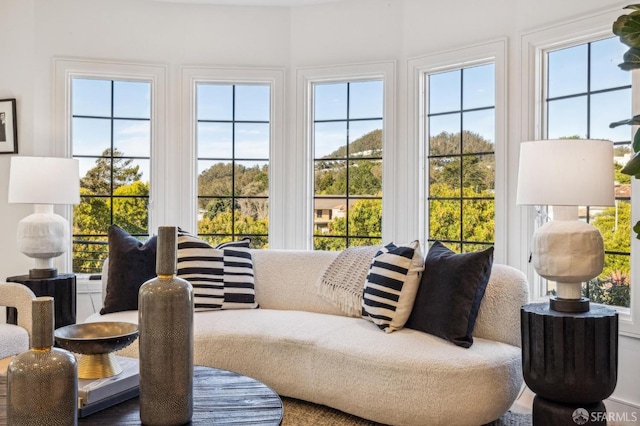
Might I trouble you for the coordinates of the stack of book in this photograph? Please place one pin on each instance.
(4, 365)
(97, 394)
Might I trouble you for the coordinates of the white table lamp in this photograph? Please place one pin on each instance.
(565, 174)
(44, 181)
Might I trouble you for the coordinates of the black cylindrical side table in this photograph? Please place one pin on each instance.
(570, 360)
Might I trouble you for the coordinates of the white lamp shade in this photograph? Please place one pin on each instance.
(566, 172)
(44, 180)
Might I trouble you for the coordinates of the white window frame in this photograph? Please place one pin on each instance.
(306, 78)
(274, 77)
(418, 68)
(534, 46)
(65, 70)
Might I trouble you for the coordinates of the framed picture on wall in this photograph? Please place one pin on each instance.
(8, 127)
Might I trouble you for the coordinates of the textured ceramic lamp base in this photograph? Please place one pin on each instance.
(43, 236)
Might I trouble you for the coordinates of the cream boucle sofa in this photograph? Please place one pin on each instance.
(304, 347)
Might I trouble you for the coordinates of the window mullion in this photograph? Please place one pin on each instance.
(348, 167)
(111, 153)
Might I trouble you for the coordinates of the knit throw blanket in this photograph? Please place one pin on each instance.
(343, 280)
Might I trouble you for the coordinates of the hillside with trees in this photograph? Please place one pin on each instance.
(249, 216)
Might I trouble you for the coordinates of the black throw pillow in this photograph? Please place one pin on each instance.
(131, 264)
(450, 293)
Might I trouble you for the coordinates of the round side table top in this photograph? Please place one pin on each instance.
(219, 397)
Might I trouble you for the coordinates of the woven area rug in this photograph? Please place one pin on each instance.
(302, 413)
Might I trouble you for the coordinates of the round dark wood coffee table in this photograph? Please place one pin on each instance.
(219, 397)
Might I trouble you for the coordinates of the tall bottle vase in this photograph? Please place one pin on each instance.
(42, 383)
(165, 310)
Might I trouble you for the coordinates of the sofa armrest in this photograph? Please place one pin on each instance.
(20, 297)
(499, 315)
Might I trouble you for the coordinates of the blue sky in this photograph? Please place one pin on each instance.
(570, 76)
(330, 103)
(252, 103)
(91, 136)
(471, 90)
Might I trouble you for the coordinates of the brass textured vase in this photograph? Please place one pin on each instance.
(42, 383)
(165, 320)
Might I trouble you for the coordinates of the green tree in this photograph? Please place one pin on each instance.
(446, 143)
(461, 186)
(478, 171)
(98, 180)
(477, 215)
(90, 217)
(216, 228)
(250, 207)
(93, 216)
(368, 145)
(621, 178)
(614, 224)
(365, 220)
(612, 286)
(131, 207)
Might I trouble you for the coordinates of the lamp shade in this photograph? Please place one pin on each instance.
(44, 180)
(566, 172)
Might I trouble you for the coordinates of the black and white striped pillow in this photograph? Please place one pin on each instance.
(239, 284)
(221, 276)
(391, 285)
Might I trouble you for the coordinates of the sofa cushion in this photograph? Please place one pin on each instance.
(391, 285)
(221, 276)
(131, 264)
(450, 293)
(287, 279)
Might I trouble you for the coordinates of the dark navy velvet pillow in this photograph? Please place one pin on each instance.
(450, 293)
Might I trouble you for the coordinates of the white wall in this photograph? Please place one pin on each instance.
(16, 79)
(355, 31)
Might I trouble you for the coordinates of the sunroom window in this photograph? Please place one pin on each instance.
(347, 163)
(111, 137)
(585, 92)
(233, 140)
(460, 109)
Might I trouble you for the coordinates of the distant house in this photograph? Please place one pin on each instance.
(327, 208)
(622, 191)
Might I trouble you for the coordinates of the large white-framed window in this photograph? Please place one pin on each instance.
(457, 121)
(233, 120)
(346, 123)
(574, 89)
(585, 91)
(110, 116)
